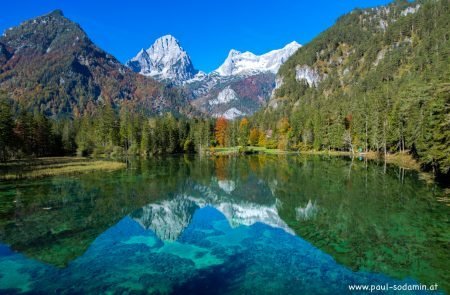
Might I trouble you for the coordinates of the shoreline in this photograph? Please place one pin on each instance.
(402, 159)
(54, 166)
(239, 150)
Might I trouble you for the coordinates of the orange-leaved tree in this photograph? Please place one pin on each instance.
(221, 130)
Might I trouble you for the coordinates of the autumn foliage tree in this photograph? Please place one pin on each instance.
(221, 131)
(254, 136)
(243, 132)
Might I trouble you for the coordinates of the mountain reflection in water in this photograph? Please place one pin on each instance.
(257, 224)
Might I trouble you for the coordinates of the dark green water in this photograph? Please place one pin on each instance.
(227, 225)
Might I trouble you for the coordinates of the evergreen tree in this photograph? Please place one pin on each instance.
(254, 136)
(6, 129)
(243, 132)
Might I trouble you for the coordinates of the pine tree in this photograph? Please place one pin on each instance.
(41, 144)
(125, 128)
(6, 129)
(23, 133)
(243, 132)
(84, 138)
(254, 136)
(145, 140)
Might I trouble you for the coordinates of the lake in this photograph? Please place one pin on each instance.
(257, 224)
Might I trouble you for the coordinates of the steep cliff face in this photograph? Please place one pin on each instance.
(164, 60)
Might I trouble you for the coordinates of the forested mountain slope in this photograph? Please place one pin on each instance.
(49, 65)
(378, 80)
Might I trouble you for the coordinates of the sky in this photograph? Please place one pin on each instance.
(206, 29)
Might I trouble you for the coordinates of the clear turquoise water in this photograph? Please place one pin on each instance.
(249, 225)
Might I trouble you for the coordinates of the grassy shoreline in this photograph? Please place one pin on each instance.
(53, 166)
(236, 150)
(403, 160)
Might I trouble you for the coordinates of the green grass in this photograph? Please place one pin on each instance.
(43, 167)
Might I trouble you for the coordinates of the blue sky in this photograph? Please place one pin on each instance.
(206, 29)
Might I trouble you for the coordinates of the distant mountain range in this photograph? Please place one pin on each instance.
(49, 64)
(247, 63)
(240, 86)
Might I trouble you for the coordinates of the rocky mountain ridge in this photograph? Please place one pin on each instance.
(221, 92)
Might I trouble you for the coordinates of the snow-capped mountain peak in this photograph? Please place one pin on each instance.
(165, 59)
(166, 47)
(237, 88)
(141, 52)
(293, 44)
(238, 63)
(233, 52)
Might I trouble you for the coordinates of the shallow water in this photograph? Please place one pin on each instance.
(226, 225)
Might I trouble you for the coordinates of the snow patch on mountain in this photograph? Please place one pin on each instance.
(225, 96)
(230, 114)
(244, 63)
(200, 76)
